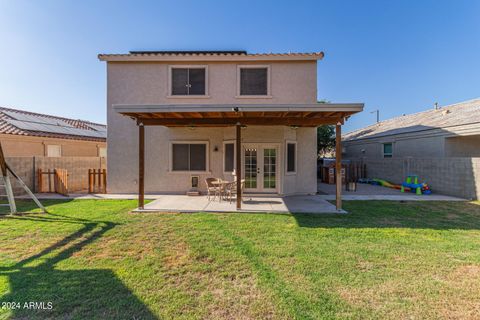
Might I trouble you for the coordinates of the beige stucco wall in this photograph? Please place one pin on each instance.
(123, 171)
(147, 83)
(26, 146)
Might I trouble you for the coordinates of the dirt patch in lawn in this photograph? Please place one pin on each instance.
(464, 281)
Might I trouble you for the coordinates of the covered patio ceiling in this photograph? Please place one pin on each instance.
(214, 115)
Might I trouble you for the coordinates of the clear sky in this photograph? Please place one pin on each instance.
(396, 56)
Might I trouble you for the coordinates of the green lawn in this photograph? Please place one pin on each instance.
(386, 260)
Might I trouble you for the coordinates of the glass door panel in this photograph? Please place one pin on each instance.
(250, 168)
(269, 168)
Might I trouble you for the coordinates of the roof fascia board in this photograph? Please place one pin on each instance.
(319, 107)
(170, 58)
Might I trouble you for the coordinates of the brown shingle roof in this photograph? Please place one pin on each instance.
(463, 113)
(9, 124)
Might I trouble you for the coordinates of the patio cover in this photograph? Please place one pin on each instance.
(222, 115)
(212, 115)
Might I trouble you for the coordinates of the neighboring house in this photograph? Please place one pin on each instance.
(27, 134)
(195, 105)
(449, 131)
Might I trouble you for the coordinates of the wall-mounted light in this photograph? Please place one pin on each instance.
(294, 127)
(191, 127)
(215, 149)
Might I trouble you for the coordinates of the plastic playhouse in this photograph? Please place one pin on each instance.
(411, 184)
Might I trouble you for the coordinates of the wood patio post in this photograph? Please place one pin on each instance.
(238, 168)
(141, 165)
(338, 165)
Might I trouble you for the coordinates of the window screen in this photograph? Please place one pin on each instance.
(196, 80)
(188, 81)
(253, 81)
(198, 157)
(189, 157)
(229, 157)
(180, 157)
(291, 165)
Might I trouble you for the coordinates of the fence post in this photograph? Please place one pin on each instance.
(104, 172)
(49, 181)
(40, 180)
(90, 181)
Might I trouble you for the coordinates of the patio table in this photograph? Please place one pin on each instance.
(221, 184)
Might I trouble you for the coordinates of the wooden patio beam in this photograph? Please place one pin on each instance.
(265, 121)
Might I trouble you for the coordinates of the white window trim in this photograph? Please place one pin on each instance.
(53, 145)
(290, 173)
(207, 159)
(234, 156)
(99, 153)
(186, 66)
(383, 150)
(269, 81)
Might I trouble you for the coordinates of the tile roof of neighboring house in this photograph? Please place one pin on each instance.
(463, 113)
(19, 122)
(208, 55)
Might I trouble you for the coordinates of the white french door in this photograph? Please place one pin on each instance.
(260, 165)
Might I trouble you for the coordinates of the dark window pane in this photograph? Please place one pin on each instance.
(197, 81)
(198, 157)
(253, 81)
(291, 157)
(180, 157)
(229, 151)
(387, 148)
(179, 81)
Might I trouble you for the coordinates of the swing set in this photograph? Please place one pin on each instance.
(6, 184)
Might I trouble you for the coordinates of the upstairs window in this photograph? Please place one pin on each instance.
(188, 81)
(253, 81)
(387, 150)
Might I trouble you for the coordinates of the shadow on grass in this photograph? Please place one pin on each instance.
(78, 294)
(440, 215)
(28, 206)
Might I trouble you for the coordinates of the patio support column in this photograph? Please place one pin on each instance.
(338, 165)
(141, 165)
(238, 169)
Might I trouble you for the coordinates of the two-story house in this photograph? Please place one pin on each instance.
(214, 114)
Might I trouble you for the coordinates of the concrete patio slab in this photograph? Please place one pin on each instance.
(373, 192)
(401, 197)
(274, 204)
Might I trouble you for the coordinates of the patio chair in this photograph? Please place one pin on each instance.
(212, 189)
(231, 189)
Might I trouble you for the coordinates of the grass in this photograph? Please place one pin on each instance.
(385, 260)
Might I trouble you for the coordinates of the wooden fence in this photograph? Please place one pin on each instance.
(55, 180)
(351, 172)
(355, 171)
(97, 181)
